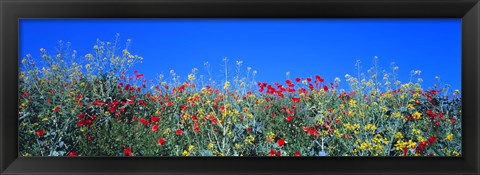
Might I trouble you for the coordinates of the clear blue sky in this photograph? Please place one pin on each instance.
(327, 47)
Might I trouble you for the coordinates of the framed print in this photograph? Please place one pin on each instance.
(305, 87)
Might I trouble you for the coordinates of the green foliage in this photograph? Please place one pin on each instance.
(92, 106)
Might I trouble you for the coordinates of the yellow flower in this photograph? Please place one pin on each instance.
(191, 148)
(410, 106)
(352, 102)
(398, 135)
(457, 91)
(417, 115)
(191, 77)
(421, 139)
(412, 144)
(185, 153)
(26, 154)
(226, 85)
(249, 139)
(401, 144)
(211, 145)
(337, 133)
(416, 131)
(270, 135)
(23, 105)
(371, 127)
(356, 126)
(455, 153)
(449, 137)
(45, 119)
(364, 145)
(166, 131)
(396, 114)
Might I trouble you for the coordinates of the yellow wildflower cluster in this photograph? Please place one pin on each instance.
(249, 139)
(402, 144)
(417, 115)
(370, 127)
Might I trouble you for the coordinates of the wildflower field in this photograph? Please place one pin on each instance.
(98, 105)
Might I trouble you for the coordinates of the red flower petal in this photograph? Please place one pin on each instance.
(280, 142)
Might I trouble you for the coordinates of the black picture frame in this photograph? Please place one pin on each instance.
(11, 11)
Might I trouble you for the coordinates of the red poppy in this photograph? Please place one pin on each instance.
(408, 118)
(404, 151)
(72, 154)
(297, 80)
(89, 138)
(280, 142)
(325, 88)
(98, 103)
(422, 145)
(432, 140)
(88, 122)
(79, 96)
(289, 118)
(319, 79)
(57, 108)
(272, 152)
(80, 123)
(144, 121)
(278, 153)
(113, 103)
(313, 131)
(112, 109)
(155, 128)
(25, 94)
(305, 129)
(82, 115)
(295, 100)
(161, 141)
(40, 133)
(297, 153)
(453, 120)
(179, 132)
(155, 119)
(429, 112)
(127, 151)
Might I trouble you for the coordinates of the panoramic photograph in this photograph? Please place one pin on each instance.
(239, 87)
